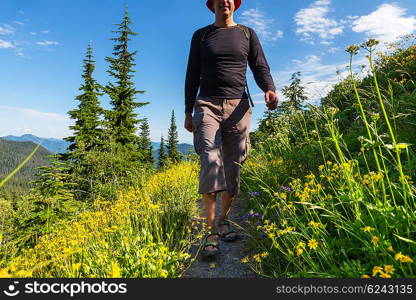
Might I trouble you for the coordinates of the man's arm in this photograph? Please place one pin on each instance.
(258, 64)
(193, 74)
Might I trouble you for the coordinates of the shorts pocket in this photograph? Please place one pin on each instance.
(196, 122)
(247, 147)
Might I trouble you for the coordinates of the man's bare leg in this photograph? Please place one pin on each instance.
(226, 201)
(209, 202)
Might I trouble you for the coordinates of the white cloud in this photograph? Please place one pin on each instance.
(387, 23)
(47, 43)
(19, 23)
(19, 120)
(262, 24)
(6, 29)
(317, 77)
(314, 20)
(45, 31)
(333, 49)
(5, 44)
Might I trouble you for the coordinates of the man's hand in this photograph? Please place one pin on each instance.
(271, 100)
(188, 122)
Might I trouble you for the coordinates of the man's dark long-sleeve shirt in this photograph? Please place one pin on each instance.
(217, 66)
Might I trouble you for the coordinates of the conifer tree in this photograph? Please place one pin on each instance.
(50, 201)
(295, 93)
(162, 153)
(145, 144)
(121, 120)
(87, 131)
(173, 152)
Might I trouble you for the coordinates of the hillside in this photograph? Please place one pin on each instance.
(60, 146)
(11, 155)
(51, 144)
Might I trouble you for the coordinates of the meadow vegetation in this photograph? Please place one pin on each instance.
(330, 191)
(331, 187)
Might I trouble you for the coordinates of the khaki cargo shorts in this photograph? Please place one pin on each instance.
(221, 139)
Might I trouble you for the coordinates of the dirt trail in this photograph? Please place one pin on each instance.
(227, 264)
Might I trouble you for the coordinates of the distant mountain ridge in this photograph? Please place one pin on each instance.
(51, 144)
(60, 146)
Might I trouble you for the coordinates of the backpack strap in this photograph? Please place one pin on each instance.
(247, 34)
(245, 30)
(209, 29)
(248, 94)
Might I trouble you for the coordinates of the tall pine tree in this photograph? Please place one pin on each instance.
(162, 153)
(295, 94)
(172, 145)
(122, 119)
(87, 131)
(145, 144)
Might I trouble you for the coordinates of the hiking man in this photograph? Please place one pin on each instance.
(217, 67)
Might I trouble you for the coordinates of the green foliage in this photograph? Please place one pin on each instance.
(335, 184)
(101, 174)
(145, 144)
(295, 94)
(121, 120)
(12, 154)
(87, 131)
(173, 154)
(50, 201)
(162, 154)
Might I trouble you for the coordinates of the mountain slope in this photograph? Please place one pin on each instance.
(11, 155)
(51, 144)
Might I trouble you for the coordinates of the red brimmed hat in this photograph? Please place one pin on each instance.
(210, 5)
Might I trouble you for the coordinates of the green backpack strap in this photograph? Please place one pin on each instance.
(245, 30)
(247, 34)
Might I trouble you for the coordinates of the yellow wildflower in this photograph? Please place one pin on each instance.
(384, 275)
(164, 274)
(314, 224)
(245, 260)
(313, 244)
(389, 269)
(402, 258)
(376, 270)
(4, 273)
(406, 259)
(115, 270)
(264, 254)
(257, 257)
(375, 240)
(301, 245)
(390, 248)
(365, 276)
(366, 229)
(299, 251)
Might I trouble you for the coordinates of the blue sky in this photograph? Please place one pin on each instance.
(42, 44)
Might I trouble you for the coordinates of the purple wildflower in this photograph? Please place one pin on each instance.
(285, 188)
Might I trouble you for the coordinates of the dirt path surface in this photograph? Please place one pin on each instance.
(227, 264)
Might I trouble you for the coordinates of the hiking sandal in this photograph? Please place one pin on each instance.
(206, 243)
(224, 236)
